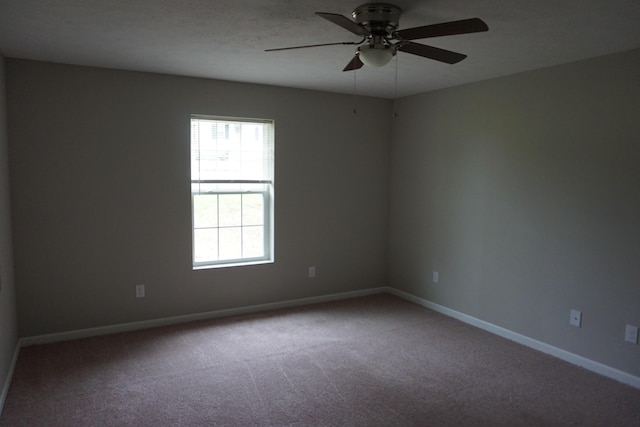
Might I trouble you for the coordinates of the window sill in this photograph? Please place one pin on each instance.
(232, 264)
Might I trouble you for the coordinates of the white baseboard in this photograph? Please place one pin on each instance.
(145, 324)
(9, 377)
(567, 356)
(575, 359)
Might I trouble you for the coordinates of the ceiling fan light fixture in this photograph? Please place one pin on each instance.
(375, 56)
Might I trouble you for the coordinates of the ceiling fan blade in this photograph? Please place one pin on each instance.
(431, 52)
(464, 26)
(310, 45)
(354, 64)
(345, 23)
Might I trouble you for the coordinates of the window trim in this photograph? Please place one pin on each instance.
(268, 200)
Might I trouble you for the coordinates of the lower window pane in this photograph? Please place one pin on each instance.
(253, 242)
(230, 209)
(252, 209)
(230, 243)
(229, 227)
(205, 210)
(205, 244)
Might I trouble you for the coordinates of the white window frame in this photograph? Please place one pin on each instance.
(267, 192)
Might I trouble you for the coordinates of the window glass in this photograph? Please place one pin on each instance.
(232, 191)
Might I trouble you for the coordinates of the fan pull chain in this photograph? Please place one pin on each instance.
(354, 92)
(395, 91)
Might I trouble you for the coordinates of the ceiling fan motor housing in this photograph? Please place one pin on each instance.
(381, 19)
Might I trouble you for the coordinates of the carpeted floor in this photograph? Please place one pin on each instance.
(371, 361)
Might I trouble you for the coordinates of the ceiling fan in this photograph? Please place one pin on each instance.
(377, 23)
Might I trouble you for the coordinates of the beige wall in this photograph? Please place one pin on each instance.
(8, 322)
(524, 193)
(521, 191)
(101, 195)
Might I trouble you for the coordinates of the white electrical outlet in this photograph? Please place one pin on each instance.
(139, 291)
(576, 318)
(312, 272)
(631, 334)
(435, 277)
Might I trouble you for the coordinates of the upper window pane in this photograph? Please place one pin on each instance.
(227, 150)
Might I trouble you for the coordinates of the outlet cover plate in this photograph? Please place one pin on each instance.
(576, 318)
(631, 334)
(139, 291)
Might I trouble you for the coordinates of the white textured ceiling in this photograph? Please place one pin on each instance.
(225, 39)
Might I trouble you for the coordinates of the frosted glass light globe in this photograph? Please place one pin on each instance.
(375, 56)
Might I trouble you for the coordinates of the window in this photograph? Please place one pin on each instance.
(231, 191)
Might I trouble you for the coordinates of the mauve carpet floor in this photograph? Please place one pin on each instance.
(372, 361)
